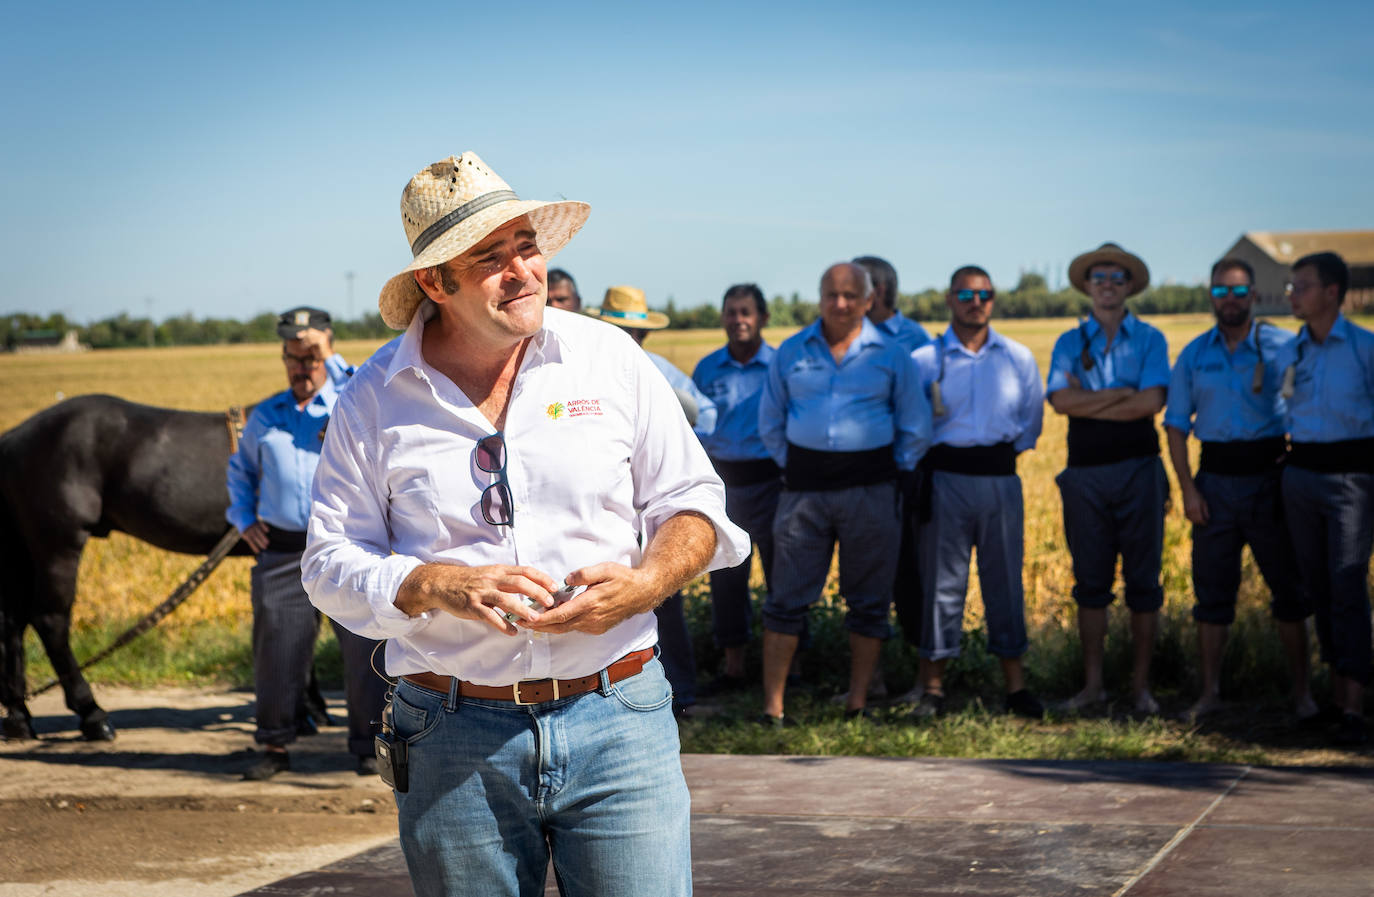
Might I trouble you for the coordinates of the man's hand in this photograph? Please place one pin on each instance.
(484, 594)
(256, 537)
(614, 593)
(1194, 505)
(317, 342)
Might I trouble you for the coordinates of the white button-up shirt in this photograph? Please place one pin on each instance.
(598, 456)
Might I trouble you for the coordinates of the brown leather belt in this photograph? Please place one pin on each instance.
(536, 691)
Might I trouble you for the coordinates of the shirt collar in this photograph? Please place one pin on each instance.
(951, 343)
(1339, 330)
(764, 356)
(1128, 323)
(547, 344)
(1216, 337)
(868, 334)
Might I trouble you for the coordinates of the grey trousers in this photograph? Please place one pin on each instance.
(1331, 520)
(752, 508)
(968, 511)
(285, 625)
(1113, 509)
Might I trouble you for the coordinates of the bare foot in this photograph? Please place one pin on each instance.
(1145, 704)
(1084, 701)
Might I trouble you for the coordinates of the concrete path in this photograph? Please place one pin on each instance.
(826, 827)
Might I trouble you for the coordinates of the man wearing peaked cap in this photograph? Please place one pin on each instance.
(505, 494)
(1108, 375)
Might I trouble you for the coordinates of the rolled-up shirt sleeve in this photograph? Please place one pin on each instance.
(348, 569)
(1178, 411)
(670, 469)
(1154, 368)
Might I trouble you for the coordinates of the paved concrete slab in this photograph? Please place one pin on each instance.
(817, 827)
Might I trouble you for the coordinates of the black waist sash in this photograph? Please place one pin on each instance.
(1095, 442)
(1342, 456)
(976, 460)
(285, 539)
(811, 470)
(1243, 457)
(746, 473)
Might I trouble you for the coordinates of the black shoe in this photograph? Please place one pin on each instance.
(1023, 703)
(367, 765)
(723, 684)
(1327, 715)
(269, 764)
(768, 721)
(306, 726)
(1350, 732)
(930, 706)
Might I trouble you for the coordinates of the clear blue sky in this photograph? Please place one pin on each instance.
(227, 159)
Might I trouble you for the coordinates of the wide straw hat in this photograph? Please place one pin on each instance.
(625, 307)
(1109, 254)
(451, 206)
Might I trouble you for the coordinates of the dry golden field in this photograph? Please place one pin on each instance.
(121, 578)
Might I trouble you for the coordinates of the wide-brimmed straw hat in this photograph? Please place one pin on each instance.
(1109, 254)
(451, 206)
(625, 307)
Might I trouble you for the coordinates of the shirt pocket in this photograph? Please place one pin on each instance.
(412, 509)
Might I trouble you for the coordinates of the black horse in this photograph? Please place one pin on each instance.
(82, 468)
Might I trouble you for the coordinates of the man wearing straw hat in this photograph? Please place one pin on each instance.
(1225, 390)
(843, 414)
(627, 308)
(493, 455)
(1108, 375)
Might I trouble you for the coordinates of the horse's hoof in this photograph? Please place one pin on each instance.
(97, 730)
(17, 728)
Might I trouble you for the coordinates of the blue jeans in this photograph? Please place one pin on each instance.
(496, 789)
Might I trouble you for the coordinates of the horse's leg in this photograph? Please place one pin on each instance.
(17, 724)
(56, 591)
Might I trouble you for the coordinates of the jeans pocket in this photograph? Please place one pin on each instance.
(411, 721)
(647, 691)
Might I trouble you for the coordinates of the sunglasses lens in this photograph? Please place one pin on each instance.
(496, 502)
(1219, 292)
(1240, 292)
(964, 295)
(491, 453)
(985, 295)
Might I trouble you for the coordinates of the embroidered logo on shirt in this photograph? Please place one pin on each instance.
(556, 410)
(575, 408)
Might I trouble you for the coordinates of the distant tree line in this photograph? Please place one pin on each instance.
(123, 331)
(1030, 298)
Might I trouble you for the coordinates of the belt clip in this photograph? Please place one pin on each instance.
(515, 690)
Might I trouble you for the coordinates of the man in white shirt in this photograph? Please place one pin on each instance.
(493, 453)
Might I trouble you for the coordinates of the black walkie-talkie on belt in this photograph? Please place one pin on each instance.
(393, 754)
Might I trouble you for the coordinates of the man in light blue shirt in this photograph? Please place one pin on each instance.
(1328, 484)
(843, 414)
(885, 314)
(1108, 375)
(1225, 389)
(269, 479)
(988, 407)
(733, 376)
(627, 308)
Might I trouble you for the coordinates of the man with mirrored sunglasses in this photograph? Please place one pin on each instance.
(497, 453)
(1224, 388)
(988, 406)
(1108, 375)
(1328, 482)
(269, 479)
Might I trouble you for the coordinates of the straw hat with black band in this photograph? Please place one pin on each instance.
(453, 205)
(626, 307)
(1109, 254)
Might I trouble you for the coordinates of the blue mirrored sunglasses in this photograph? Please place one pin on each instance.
(970, 295)
(1240, 292)
(1114, 277)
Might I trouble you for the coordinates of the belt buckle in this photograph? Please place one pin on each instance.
(515, 692)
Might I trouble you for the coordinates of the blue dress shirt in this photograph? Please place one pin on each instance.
(735, 387)
(269, 477)
(990, 396)
(1333, 388)
(1211, 388)
(872, 398)
(1139, 357)
(908, 333)
(706, 409)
